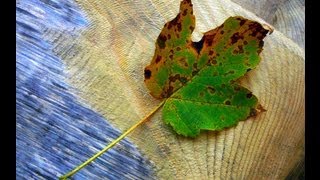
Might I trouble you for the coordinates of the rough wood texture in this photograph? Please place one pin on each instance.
(54, 131)
(107, 66)
(104, 65)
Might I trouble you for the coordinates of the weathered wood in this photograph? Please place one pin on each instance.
(55, 132)
(104, 65)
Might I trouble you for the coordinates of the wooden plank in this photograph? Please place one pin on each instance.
(55, 132)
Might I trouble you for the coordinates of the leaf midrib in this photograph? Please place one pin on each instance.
(203, 102)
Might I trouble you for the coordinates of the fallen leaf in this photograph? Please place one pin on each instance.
(198, 79)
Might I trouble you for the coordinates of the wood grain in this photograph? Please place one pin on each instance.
(106, 64)
(54, 131)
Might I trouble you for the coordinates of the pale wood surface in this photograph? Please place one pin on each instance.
(106, 65)
(103, 64)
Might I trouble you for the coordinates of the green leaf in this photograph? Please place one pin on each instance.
(199, 78)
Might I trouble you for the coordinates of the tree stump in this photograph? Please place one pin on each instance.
(104, 66)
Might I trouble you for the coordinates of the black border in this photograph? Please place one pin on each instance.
(312, 93)
(8, 90)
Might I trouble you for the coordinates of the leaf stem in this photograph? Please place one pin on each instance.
(114, 142)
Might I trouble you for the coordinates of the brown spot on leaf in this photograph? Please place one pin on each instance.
(194, 73)
(174, 78)
(211, 90)
(237, 88)
(249, 69)
(214, 62)
(161, 41)
(210, 52)
(235, 37)
(174, 22)
(179, 27)
(185, 12)
(171, 56)
(178, 48)
(245, 42)
(259, 36)
(242, 22)
(253, 112)
(261, 44)
(249, 95)
(147, 74)
(169, 91)
(183, 80)
(222, 31)
(257, 29)
(182, 61)
(195, 65)
(158, 59)
(240, 47)
(209, 42)
(227, 102)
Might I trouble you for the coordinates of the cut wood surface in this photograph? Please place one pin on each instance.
(104, 65)
(108, 69)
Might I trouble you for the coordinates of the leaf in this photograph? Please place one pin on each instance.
(199, 78)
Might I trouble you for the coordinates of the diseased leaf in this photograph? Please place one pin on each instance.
(199, 78)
